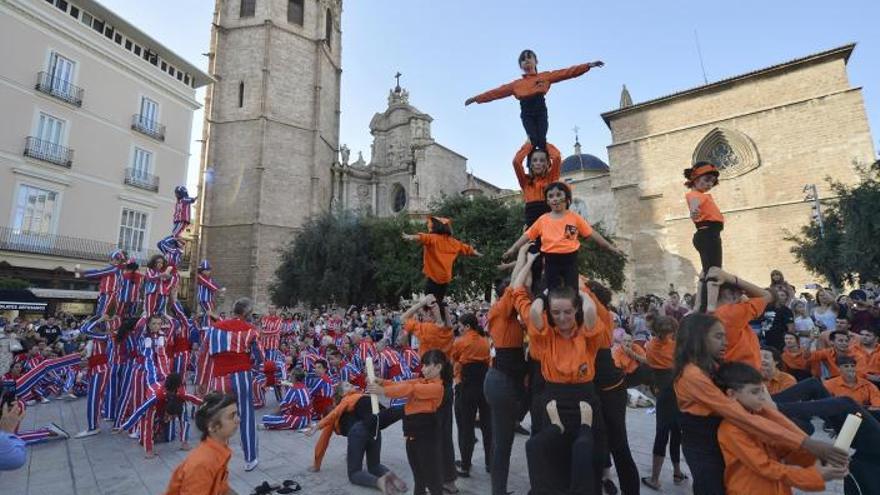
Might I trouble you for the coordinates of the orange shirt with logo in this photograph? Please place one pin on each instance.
(559, 235)
(438, 255)
(707, 210)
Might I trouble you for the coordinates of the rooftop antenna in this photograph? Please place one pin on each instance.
(700, 54)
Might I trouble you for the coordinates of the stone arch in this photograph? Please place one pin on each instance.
(398, 198)
(733, 152)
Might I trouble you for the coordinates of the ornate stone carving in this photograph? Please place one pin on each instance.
(731, 151)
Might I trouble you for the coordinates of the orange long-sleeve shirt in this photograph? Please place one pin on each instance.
(533, 186)
(563, 360)
(504, 327)
(742, 343)
(603, 317)
(828, 357)
(661, 353)
(438, 255)
(532, 84)
(329, 424)
(780, 381)
(422, 395)
(469, 348)
(707, 210)
(431, 336)
(795, 360)
(753, 467)
(623, 360)
(866, 361)
(205, 471)
(863, 391)
(698, 395)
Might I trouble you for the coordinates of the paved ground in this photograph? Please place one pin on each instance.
(114, 464)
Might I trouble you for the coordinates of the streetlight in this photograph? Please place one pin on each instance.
(812, 195)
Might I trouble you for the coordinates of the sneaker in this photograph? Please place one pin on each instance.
(30, 402)
(45, 400)
(133, 435)
(71, 396)
(249, 466)
(261, 426)
(58, 430)
(87, 433)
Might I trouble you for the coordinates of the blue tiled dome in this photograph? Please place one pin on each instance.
(583, 161)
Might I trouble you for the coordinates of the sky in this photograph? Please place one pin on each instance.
(450, 50)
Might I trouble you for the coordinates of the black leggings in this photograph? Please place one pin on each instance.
(667, 430)
(699, 442)
(614, 413)
(560, 269)
(533, 113)
(469, 400)
(423, 454)
(447, 449)
(707, 240)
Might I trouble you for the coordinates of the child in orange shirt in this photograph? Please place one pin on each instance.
(849, 384)
(753, 465)
(700, 179)
(530, 91)
(544, 168)
(421, 422)
(439, 251)
(205, 471)
(793, 359)
(559, 231)
(632, 360)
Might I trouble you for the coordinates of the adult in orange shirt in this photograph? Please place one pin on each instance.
(353, 418)
(439, 252)
(700, 179)
(699, 349)
(840, 346)
(530, 91)
(752, 464)
(559, 231)
(205, 471)
(564, 333)
(736, 313)
(869, 355)
(421, 422)
(794, 360)
(775, 379)
(470, 353)
(849, 384)
(660, 353)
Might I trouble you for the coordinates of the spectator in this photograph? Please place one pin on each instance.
(673, 307)
(12, 452)
(861, 314)
(778, 320)
(50, 330)
(825, 312)
(803, 323)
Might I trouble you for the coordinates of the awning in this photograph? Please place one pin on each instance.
(64, 294)
(21, 300)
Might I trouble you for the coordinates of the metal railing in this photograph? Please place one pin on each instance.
(59, 88)
(21, 241)
(148, 127)
(47, 151)
(142, 180)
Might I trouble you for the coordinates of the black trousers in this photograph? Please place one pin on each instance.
(504, 394)
(614, 413)
(667, 430)
(570, 461)
(533, 113)
(707, 241)
(438, 290)
(699, 442)
(469, 400)
(447, 449)
(423, 454)
(533, 395)
(560, 269)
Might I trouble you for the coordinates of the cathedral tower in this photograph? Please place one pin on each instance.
(271, 133)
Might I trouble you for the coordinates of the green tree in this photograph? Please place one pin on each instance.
(13, 283)
(849, 251)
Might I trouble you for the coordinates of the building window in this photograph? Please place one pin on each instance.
(98, 26)
(328, 29)
(50, 130)
(142, 164)
(248, 8)
(149, 114)
(61, 4)
(86, 19)
(60, 74)
(118, 39)
(128, 44)
(240, 94)
(34, 210)
(74, 12)
(731, 151)
(132, 231)
(295, 11)
(398, 198)
(108, 32)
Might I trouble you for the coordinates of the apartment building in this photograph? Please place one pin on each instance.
(95, 130)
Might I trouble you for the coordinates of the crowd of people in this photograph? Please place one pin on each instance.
(738, 370)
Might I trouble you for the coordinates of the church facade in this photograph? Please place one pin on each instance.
(771, 132)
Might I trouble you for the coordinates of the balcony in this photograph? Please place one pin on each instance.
(47, 151)
(16, 240)
(59, 88)
(148, 127)
(141, 180)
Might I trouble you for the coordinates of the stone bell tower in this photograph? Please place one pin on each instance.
(271, 133)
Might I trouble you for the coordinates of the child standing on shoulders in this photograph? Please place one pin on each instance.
(752, 464)
(700, 179)
(559, 231)
(439, 252)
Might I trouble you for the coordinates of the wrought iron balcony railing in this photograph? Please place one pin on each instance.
(59, 88)
(142, 180)
(18, 240)
(47, 151)
(148, 127)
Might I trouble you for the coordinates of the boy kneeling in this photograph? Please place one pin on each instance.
(753, 466)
